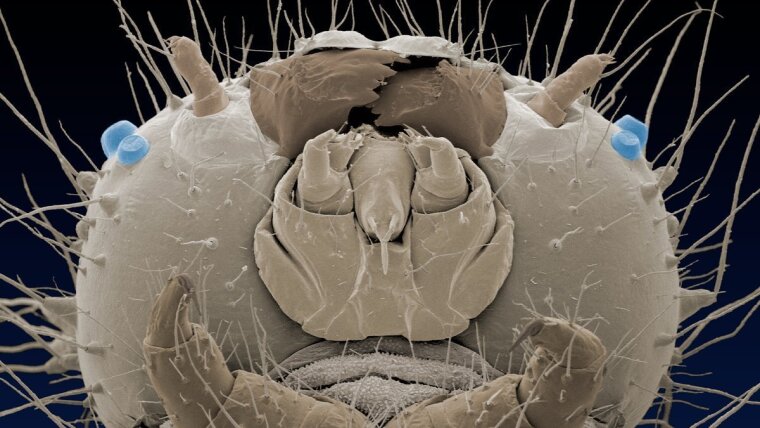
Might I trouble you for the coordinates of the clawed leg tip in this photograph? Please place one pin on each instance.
(532, 329)
(183, 281)
(535, 327)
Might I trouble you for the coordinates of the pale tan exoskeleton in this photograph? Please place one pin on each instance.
(189, 373)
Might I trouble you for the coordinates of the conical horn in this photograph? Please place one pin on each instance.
(209, 95)
(552, 102)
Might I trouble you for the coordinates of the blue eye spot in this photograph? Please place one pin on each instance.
(631, 124)
(113, 135)
(132, 149)
(627, 144)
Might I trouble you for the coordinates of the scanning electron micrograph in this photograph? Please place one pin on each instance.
(381, 214)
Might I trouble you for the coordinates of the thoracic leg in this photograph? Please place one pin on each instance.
(184, 364)
(563, 376)
(556, 391)
(189, 374)
(490, 405)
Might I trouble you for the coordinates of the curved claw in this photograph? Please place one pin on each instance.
(563, 340)
(561, 381)
(570, 344)
(184, 364)
(193, 382)
(530, 330)
(546, 396)
(169, 322)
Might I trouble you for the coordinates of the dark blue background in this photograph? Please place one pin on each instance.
(75, 54)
